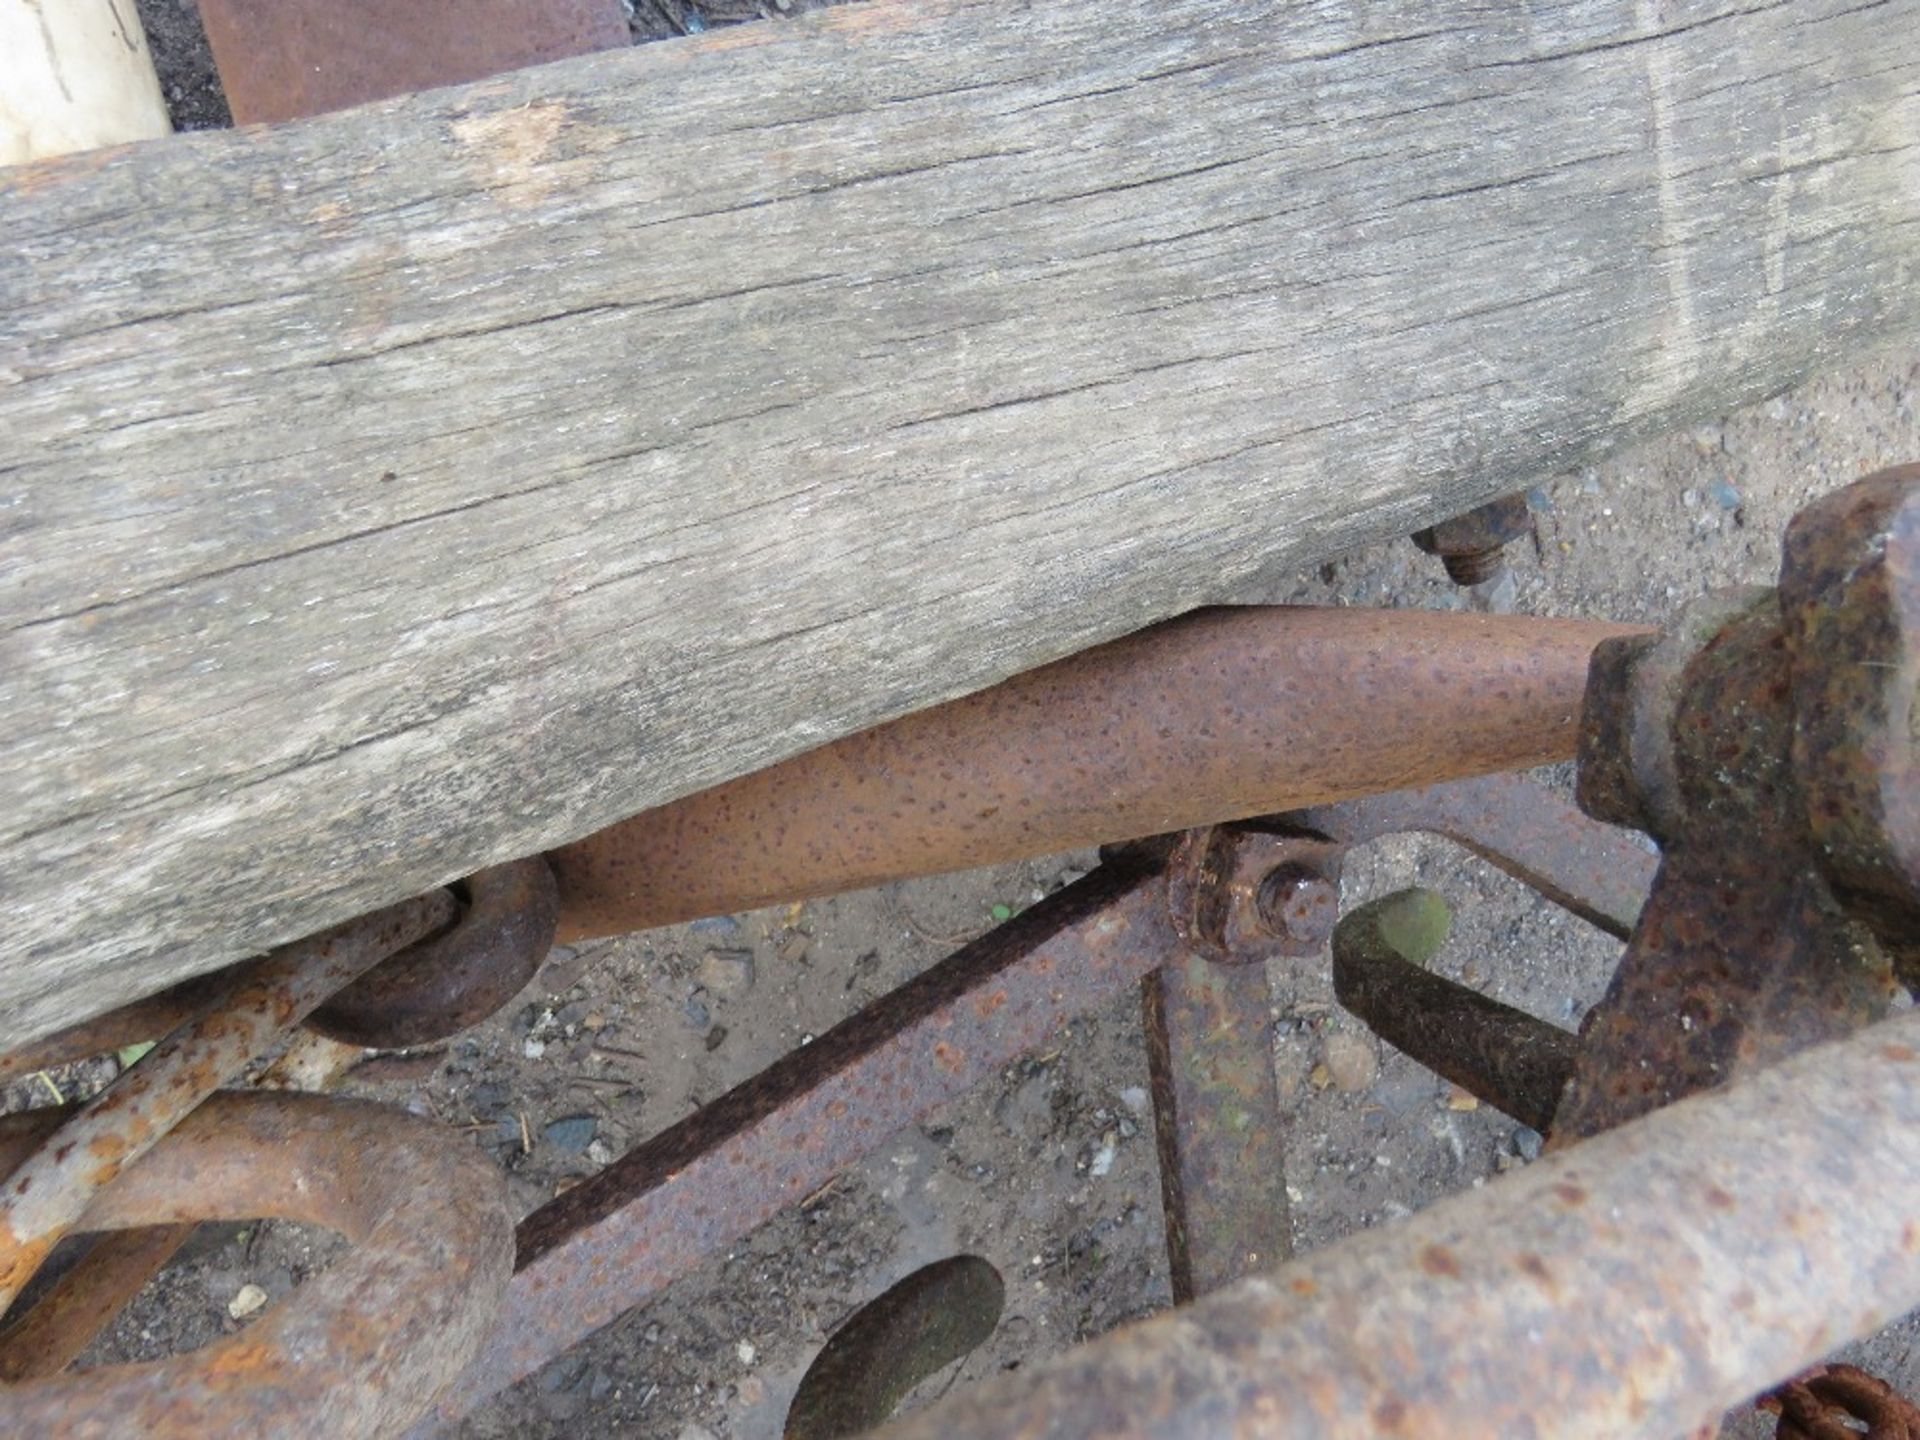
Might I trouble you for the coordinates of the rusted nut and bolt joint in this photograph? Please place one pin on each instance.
(1472, 546)
(1817, 685)
(1299, 904)
(1240, 894)
(1766, 742)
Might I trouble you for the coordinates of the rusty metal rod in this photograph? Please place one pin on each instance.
(1219, 715)
(590, 1255)
(147, 1018)
(1514, 1061)
(1633, 1286)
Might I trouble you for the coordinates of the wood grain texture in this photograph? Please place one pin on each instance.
(403, 490)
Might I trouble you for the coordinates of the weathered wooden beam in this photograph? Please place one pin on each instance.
(390, 493)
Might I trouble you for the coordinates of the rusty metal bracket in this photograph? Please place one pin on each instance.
(1764, 742)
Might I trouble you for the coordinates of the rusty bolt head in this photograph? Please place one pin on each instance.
(1298, 905)
(1850, 600)
(1470, 544)
(1219, 880)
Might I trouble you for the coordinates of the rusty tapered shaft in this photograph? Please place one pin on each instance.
(1217, 716)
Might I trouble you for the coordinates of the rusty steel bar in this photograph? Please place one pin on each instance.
(61, 1324)
(1599, 872)
(609, 1243)
(1634, 1286)
(1216, 1120)
(363, 1348)
(147, 1018)
(44, 1197)
(1219, 715)
(1513, 1061)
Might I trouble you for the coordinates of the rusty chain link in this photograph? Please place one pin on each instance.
(1818, 1404)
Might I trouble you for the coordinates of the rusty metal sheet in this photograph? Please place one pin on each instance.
(283, 59)
(1634, 1286)
(1220, 715)
(363, 1348)
(609, 1243)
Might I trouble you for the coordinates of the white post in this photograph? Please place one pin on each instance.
(74, 75)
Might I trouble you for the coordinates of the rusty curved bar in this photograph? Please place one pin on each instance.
(1634, 1286)
(362, 1349)
(59, 1326)
(1600, 872)
(43, 1198)
(1219, 715)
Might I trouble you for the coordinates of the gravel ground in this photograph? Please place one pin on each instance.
(1048, 1171)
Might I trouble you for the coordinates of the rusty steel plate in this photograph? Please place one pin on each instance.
(284, 59)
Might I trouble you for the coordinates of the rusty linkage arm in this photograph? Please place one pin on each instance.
(1224, 713)
(1178, 919)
